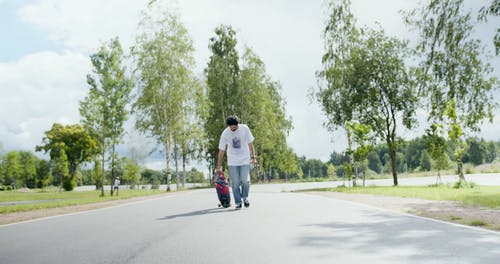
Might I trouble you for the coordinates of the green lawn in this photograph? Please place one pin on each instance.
(50, 199)
(488, 196)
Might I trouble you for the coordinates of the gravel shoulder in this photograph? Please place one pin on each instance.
(448, 211)
(10, 218)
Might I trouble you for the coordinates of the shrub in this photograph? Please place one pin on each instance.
(478, 223)
(69, 184)
(6, 188)
(463, 184)
(155, 185)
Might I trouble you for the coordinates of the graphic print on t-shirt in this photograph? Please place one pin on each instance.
(236, 143)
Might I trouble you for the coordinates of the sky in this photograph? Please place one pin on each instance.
(45, 47)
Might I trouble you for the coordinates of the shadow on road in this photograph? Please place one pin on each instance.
(199, 212)
(421, 240)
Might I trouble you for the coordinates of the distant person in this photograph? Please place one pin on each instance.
(116, 185)
(240, 153)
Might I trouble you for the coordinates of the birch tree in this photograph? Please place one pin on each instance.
(455, 81)
(365, 79)
(222, 74)
(104, 110)
(340, 36)
(164, 63)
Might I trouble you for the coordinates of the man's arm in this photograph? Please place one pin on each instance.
(253, 156)
(219, 160)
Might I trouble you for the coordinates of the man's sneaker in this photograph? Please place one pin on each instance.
(238, 206)
(246, 202)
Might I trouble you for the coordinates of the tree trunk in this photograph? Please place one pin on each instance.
(176, 158)
(364, 178)
(112, 169)
(460, 170)
(183, 172)
(351, 157)
(167, 154)
(394, 164)
(102, 173)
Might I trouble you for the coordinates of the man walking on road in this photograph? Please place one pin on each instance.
(240, 153)
(116, 185)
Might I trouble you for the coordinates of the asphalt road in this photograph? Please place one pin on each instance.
(278, 227)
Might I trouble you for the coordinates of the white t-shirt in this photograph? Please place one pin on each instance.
(238, 152)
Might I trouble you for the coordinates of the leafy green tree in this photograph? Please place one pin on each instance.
(242, 87)
(10, 169)
(86, 177)
(164, 57)
(475, 151)
(381, 87)
(98, 175)
(388, 91)
(453, 77)
(337, 159)
(43, 173)
(491, 154)
(362, 138)
(336, 79)
(104, 109)
(413, 152)
(222, 74)
(365, 79)
(27, 162)
(334, 94)
(72, 143)
(331, 170)
(131, 171)
(374, 162)
(401, 165)
(150, 176)
(61, 171)
(436, 145)
(300, 174)
(195, 176)
(190, 136)
(288, 163)
(425, 161)
(313, 168)
(263, 109)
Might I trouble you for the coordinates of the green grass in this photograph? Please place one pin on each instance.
(52, 198)
(455, 218)
(477, 223)
(487, 196)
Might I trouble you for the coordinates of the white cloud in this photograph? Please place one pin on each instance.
(83, 25)
(37, 91)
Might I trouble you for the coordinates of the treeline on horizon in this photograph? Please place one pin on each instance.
(23, 169)
(412, 156)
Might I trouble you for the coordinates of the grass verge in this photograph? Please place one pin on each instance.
(487, 196)
(17, 201)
